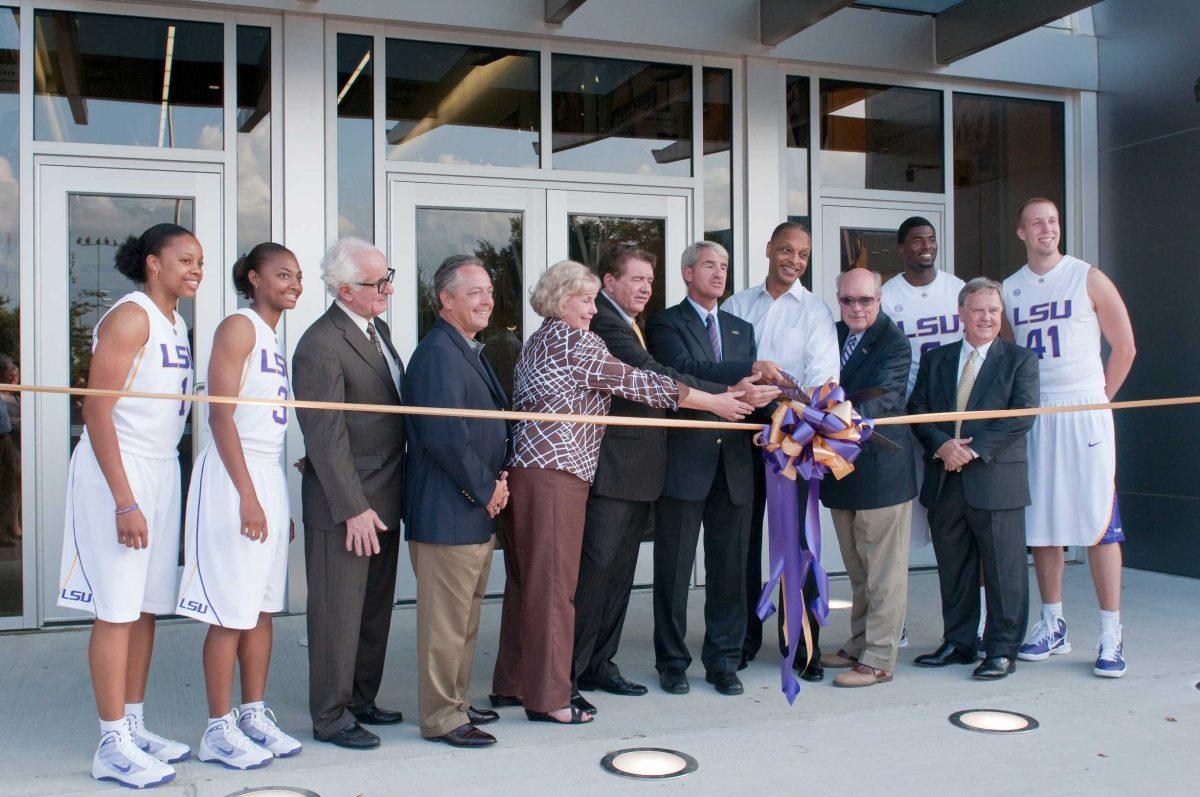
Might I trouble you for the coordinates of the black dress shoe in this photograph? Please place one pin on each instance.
(465, 736)
(582, 703)
(727, 683)
(813, 673)
(994, 668)
(614, 685)
(481, 716)
(353, 737)
(946, 654)
(504, 701)
(674, 681)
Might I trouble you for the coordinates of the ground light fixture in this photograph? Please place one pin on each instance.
(993, 720)
(839, 603)
(649, 763)
(275, 791)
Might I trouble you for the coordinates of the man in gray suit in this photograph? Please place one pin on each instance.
(352, 487)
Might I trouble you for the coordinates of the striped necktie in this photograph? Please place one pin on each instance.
(848, 349)
(711, 324)
(965, 383)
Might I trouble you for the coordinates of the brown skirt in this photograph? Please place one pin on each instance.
(541, 564)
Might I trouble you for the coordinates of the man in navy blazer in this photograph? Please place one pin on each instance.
(709, 480)
(454, 487)
(977, 482)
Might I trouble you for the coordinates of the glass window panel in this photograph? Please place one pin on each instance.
(253, 139)
(458, 103)
(718, 160)
(874, 250)
(611, 115)
(1006, 150)
(797, 136)
(355, 152)
(588, 237)
(103, 79)
(95, 227)
(495, 237)
(11, 534)
(881, 137)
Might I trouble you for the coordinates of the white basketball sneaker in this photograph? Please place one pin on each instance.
(259, 725)
(223, 743)
(165, 750)
(119, 759)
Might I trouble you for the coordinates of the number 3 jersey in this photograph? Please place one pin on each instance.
(927, 314)
(1052, 315)
(152, 427)
(261, 427)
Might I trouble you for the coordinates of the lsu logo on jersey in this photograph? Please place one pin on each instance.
(190, 605)
(180, 358)
(1046, 311)
(276, 366)
(933, 325)
(76, 595)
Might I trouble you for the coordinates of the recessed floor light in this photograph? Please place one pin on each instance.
(649, 763)
(989, 720)
(840, 603)
(275, 791)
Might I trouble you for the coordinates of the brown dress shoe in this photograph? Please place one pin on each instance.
(838, 661)
(465, 736)
(862, 675)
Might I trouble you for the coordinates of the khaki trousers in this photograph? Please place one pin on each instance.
(451, 582)
(874, 545)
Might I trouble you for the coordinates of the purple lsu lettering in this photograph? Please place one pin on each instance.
(193, 606)
(1043, 340)
(78, 595)
(183, 356)
(1044, 311)
(277, 365)
(933, 325)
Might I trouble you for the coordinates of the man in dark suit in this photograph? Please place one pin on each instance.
(872, 506)
(629, 475)
(977, 482)
(351, 490)
(453, 488)
(709, 479)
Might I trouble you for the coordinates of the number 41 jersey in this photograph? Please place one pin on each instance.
(1053, 316)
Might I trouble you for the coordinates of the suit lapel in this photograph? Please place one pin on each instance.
(359, 342)
(692, 321)
(949, 376)
(987, 373)
(731, 339)
(860, 351)
(475, 361)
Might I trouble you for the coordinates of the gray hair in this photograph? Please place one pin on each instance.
(446, 277)
(691, 255)
(876, 280)
(558, 283)
(340, 266)
(978, 285)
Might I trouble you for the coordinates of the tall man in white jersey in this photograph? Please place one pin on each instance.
(1060, 307)
(795, 329)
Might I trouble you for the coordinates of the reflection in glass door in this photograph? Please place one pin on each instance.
(85, 212)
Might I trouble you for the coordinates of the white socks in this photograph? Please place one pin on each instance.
(257, 705)
(137, 710)
(1110, 623)
(115, 725)
(1052, 612)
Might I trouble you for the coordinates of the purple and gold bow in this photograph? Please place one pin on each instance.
(807, 438)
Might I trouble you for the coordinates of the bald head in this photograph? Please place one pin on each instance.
(858, 297)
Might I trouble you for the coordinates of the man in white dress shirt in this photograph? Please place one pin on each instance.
(795, 329)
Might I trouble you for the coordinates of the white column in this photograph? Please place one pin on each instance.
(765, 176)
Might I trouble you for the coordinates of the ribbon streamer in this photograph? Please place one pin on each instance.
(803, 441)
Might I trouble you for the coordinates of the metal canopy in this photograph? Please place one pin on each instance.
(558, 10)
(975, 25)
(780, 20)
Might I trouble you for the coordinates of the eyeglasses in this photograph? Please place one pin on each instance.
(861, 301)
(380, 284)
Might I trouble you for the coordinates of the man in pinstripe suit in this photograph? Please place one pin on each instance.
(352, 486)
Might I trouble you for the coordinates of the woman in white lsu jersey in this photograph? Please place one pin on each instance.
(121, 536)
(237, 521)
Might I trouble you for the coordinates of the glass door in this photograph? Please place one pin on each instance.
(83, 213)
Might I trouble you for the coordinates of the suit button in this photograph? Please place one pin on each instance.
(718, 441)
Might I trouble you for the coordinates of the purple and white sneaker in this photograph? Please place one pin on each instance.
(1044, 641)
(165, 750)
(1110, 663)
(120, 760)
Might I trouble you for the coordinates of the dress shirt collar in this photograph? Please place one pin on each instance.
(616, 306)
(704, 314)
(359, 321)
(967, 348)
(797, 291)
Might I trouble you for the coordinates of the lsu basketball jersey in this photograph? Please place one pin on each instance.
(262, 428)
(1053, 316)
(928, 314)
(152, 427)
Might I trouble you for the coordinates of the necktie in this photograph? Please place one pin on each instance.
(965, 383)
(711, 325)
(378, 346)
(638, 332)
(848, 349)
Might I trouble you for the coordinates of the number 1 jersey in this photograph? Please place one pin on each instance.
(1053, 316)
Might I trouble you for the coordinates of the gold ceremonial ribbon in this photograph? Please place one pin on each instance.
(601, 420)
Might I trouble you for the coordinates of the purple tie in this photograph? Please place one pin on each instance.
(711, 324)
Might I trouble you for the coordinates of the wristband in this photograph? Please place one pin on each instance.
(131, 508)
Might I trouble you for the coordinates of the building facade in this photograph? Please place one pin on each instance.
(476, 126)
